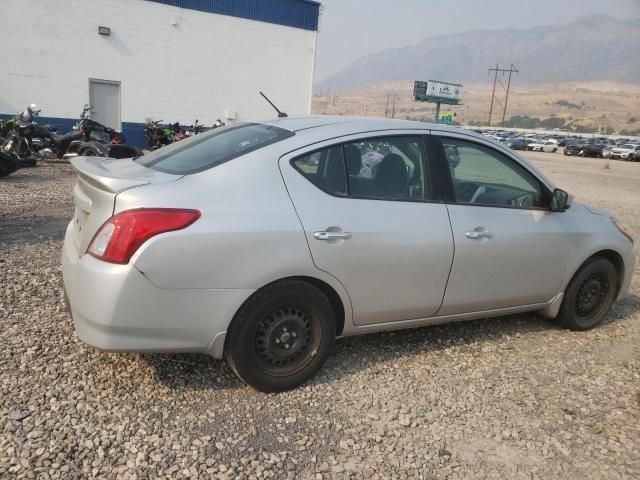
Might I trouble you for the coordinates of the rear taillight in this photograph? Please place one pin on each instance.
(121, 236)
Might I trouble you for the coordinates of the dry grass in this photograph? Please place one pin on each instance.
(592, 104)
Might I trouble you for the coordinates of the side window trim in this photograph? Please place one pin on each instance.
(450, 194)
(439, 175)
(426, 150)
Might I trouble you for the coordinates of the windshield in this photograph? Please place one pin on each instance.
(212, 148)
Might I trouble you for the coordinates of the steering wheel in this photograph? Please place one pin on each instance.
(470, 191)
(522, 201)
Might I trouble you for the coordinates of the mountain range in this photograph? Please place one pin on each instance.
(591, 48)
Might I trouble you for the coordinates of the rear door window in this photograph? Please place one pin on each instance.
(387, 168)
(212, 148)
(325, 169)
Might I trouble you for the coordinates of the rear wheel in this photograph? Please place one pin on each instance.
(589, 295)
(281, 336)
(89, 152)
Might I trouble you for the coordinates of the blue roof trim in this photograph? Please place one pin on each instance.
(292, 13)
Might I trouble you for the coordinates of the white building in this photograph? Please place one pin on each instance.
(171, 60)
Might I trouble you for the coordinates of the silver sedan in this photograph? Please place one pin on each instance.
(263, 242)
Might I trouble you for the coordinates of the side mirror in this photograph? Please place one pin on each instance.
(560, 200)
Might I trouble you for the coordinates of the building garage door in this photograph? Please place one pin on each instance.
(104, 96)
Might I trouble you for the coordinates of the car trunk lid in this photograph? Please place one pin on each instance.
(100, 180)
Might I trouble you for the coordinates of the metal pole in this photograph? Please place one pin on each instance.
(386, 110)
(437, 112)
(493, 94)
(393, 109)
(506, 100)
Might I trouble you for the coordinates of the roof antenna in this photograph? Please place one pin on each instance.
(280, 114)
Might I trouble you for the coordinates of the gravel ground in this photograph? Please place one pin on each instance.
(514, 397)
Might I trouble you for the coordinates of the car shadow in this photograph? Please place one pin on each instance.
(32, 230)
(192, 371)
(352, 354)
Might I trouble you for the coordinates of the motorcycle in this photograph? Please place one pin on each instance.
(6, 126)
(158, 135)
(98, 140)
(28, 142)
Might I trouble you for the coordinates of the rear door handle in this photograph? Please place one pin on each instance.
(478, 234)
(332, 235)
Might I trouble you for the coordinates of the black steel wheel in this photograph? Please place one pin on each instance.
(287, 340)
(589, 295)
(281, 336)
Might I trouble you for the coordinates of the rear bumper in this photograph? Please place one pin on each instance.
(115, 308)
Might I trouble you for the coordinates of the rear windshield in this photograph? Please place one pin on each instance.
(212, 148)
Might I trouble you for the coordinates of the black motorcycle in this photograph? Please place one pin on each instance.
(30, 142)
(98, 140)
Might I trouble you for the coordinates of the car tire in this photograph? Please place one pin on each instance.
(589, 295)
(281, 336)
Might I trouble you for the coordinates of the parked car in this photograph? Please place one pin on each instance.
(544, 146)
(585, 149)
(627, 152)
(573, 148)
(262, 243)
(594, 150)
(518, 144)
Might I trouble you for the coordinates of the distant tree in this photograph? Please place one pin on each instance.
(566, 103)
(552, 122)
(523, 121)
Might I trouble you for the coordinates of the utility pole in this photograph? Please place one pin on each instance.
(386, 110)
(393, 109)
(493, 93)
(512, 69)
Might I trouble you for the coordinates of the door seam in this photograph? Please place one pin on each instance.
(453, 257)
(306, 239)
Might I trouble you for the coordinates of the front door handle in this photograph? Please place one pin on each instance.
(479, 234)
(332, 235)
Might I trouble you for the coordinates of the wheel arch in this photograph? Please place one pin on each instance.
(219, 343)
(607, 253)
(552, 310)
(334, 298)
(332, 295)
(615, 258)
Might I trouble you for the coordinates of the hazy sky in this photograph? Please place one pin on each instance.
(350, 29)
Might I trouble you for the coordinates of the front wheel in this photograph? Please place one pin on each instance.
(589, 295)
(281, 336)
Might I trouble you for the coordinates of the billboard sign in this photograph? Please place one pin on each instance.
(436, 91)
